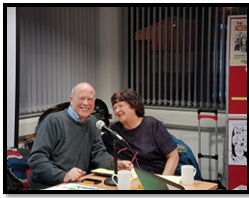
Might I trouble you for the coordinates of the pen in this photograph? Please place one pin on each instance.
(133, 158)
(88, 182)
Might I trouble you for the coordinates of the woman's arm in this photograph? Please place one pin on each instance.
(172, 162)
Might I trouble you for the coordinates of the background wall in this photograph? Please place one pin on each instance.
(11, 74)
(113, 45)
(112, 77)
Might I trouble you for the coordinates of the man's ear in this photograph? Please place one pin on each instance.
(71, 99)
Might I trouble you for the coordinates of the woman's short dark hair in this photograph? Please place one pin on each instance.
(132, 98)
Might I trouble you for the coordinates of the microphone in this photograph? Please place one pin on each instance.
(101, 125)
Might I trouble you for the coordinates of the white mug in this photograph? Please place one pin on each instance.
(124, 179)
(188, 172)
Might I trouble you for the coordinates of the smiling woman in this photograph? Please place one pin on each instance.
(144, 134)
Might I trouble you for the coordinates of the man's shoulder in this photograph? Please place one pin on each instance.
(56, 116)
(61, 113)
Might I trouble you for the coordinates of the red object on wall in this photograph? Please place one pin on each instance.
(237, 90)
(237, 176)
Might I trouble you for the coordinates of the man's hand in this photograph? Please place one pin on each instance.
(73, 175)
(125, 165)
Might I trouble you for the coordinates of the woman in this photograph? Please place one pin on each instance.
(243, 44)
(146, 136)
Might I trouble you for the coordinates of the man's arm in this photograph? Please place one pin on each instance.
(172, 162)
(100, 157)
(39, 158)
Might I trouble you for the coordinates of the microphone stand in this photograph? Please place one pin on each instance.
(108, 181)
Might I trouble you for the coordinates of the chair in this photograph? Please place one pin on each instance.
(31, 138)
(186, 157)
(25, 153)
(53, 109)
(16, 166)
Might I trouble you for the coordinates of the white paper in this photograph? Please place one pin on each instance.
(237, 151)
(72, 186)
(173, 178)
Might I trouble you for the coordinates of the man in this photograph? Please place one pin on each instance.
(146, 136)
(68, 144)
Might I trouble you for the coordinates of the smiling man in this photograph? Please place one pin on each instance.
(146, 136)
(68, 144)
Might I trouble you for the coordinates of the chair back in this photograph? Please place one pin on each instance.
(16, 166)
(186, 157)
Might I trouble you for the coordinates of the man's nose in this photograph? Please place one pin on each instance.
(85, 101)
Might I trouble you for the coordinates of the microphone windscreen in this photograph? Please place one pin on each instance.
(100, 124)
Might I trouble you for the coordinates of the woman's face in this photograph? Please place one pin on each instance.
(123, 112)
(244, 39)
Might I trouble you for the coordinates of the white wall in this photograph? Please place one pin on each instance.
(185, 117)
(11, 74)
(112, 53)
(27, 126)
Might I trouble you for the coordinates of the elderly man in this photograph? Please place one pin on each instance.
(68, 144)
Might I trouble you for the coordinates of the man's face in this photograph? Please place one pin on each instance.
(83, 101)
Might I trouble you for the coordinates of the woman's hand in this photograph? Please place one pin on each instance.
(125, 165)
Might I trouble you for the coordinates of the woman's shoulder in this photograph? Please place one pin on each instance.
(150, 119)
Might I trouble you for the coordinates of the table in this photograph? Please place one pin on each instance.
(198, 185)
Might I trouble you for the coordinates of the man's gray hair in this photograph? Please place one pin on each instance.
(72, 92)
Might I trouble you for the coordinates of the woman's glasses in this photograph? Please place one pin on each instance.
(123, 149)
